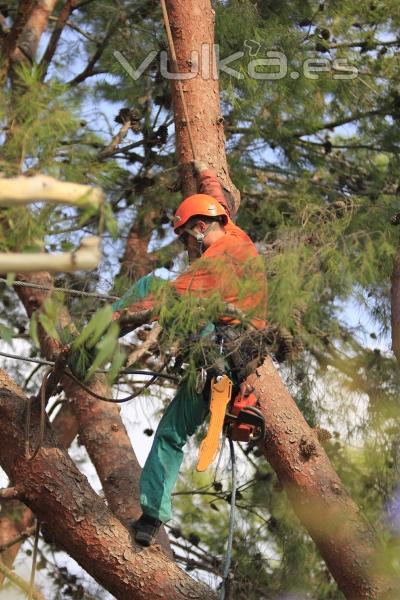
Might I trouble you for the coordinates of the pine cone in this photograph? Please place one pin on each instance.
(395, 220)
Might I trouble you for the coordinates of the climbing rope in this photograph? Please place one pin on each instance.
(37, 286)
(113, 400)
(34, 561)
(127, 371)
(228, 557)
(38, 361)
(176, 70)
(216, 472)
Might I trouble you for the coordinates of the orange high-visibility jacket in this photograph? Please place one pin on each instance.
(231, 267)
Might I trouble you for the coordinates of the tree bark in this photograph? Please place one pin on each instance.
(192, 24)
(77, 519)
(15, 517)
(25, 45)
(345, 539)
(136, 260)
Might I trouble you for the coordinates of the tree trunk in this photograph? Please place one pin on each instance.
(344, 538)
(192, 24)
(77, 519)
(14, 519)
(136, 260)
(26, 44)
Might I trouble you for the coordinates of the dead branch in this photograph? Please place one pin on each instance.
(145, 349)
(11, 493)
(19, 582)
(40, 188)
(86, 258)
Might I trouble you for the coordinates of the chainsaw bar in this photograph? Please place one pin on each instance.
(221, 392)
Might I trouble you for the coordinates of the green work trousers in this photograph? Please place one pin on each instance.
(183, 416)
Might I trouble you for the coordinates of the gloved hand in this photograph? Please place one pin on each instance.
(198, 166)
(138, 291)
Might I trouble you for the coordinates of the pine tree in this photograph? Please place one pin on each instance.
(315, 158)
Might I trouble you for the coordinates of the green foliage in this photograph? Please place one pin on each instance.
(96, 346)
(6, 333)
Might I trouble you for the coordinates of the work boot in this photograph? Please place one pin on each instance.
(145, 530)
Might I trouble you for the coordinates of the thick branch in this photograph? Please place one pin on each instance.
(16, 520)
(346, 541)
(40, 188)
(78, 519)
(24, 12)
(86, 258)
(31, 21)
(65, 13)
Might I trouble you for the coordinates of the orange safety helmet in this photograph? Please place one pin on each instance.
(198, 205)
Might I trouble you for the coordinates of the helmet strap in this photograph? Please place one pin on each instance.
(199, 236)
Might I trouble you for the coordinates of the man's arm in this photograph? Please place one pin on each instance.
(208, 183)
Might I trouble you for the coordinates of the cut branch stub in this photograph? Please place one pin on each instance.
(40, 188)
(86, 258)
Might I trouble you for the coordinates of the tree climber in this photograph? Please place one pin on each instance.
(223, 260)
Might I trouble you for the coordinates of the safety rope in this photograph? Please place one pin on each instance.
(228, 557)
(112, 400)
(176, 70)
(37, 286)
(38, 361)
(127, 371)
(34, 561)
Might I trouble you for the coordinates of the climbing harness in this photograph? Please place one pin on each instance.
(176, 70)
(234, 408)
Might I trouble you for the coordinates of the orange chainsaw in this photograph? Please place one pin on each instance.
(239, 416)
